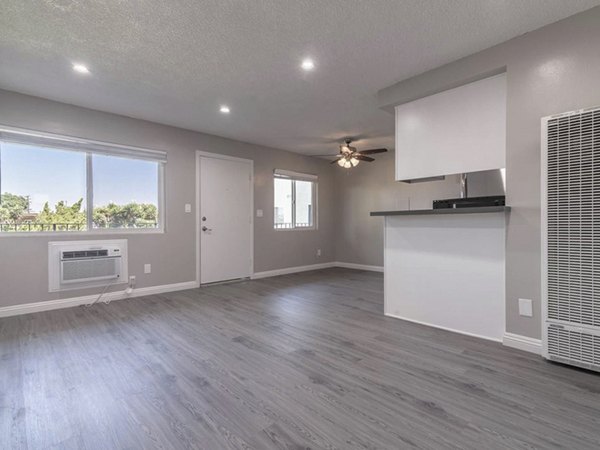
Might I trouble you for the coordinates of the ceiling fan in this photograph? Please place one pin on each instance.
(350, 157)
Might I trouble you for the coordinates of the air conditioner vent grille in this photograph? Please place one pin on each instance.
(84, 254)
(574, 346)
(573, 218)
(90, 269)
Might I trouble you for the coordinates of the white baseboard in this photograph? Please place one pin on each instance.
(288, 270)
(297, 269)
(28, 308)
(453, 330)
(517, 341)
(358, 266)
(524, 343)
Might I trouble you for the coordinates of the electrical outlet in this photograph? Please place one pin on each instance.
(319, 252)
(525, 307)
(259, 213)
(147, 268)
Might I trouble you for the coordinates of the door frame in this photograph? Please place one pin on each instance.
(199, 155)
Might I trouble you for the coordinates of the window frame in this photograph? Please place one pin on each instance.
(293, 177)
(89, 148)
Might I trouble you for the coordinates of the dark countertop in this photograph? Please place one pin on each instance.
(420, 212)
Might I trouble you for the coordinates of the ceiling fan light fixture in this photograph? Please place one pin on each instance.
(346, 163)
(350, 157)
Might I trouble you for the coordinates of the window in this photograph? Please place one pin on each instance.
(295, 197)
(42, 189)
(125, 193)
(51, 183)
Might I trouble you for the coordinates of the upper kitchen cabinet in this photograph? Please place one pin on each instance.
(455, 131)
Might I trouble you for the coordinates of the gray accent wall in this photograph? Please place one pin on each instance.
(24, 260)
(549, 71)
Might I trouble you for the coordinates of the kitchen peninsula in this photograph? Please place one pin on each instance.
(445, 268)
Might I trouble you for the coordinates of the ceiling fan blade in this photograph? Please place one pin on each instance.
(363, 158)
(372, 151)
(335, 160)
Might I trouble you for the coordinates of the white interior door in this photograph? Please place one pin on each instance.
(225, 219)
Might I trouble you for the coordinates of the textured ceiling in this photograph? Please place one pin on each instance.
(176, 61)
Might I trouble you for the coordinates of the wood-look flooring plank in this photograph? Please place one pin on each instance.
(292, 362)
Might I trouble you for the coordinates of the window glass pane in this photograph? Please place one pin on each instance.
(304, 206)
(125, 192)
(42, 189)
(283, 203)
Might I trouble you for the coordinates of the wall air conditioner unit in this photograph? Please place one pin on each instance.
(84, 264)
(571, 238)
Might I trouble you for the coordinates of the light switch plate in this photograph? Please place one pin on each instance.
(147, 268)
(525, 307)
(259, 213)
(188, 208)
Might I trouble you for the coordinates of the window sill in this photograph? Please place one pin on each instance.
(296, 229)
(107, 232)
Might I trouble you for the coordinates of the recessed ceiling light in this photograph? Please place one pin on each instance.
(225, 109)
(308, 64)
(80, 68)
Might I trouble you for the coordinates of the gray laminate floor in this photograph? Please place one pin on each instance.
(298, 361)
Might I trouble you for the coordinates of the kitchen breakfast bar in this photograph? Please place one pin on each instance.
(445, 268)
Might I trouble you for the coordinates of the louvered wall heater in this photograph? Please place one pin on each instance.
(571, 238)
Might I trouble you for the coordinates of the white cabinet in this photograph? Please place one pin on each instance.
(456, 131)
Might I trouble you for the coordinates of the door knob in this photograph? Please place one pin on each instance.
(206, 229)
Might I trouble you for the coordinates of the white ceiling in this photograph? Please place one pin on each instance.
(175, 62)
